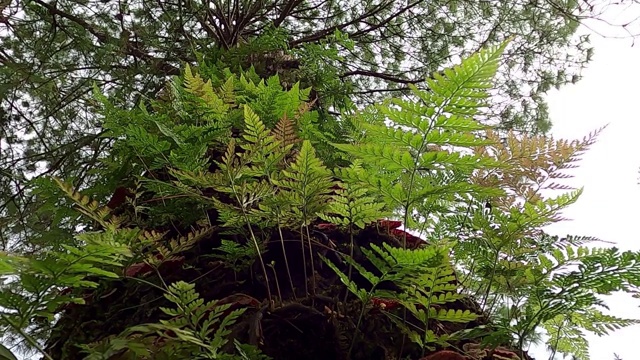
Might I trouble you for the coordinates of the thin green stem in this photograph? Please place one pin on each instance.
(26, 336)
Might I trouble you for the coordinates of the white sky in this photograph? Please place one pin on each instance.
(608, 94)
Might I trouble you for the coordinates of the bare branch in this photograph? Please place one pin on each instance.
(382, 76)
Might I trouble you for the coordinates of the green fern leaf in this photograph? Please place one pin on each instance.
(308, 183)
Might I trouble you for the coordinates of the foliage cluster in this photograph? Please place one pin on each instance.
(349, 52)
(242, 159)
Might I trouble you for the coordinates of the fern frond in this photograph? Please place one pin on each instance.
(89, 207)
(566, 339)
(461, 90)
(285, 132)
(352, 203)
(255, 130)
(196, 327)
(391, 159)
(309, 184)
(227, 91)
(534, 163)
(362, 294)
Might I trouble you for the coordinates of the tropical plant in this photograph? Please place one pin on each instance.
(196, 330)
(358, 52)
(234, 190)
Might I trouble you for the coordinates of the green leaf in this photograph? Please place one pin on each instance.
(6, 354)
(167, 132)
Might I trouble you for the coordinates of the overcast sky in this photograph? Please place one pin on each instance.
(608, 209)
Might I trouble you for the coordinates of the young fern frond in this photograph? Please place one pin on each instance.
(533, 164)
(285, 132)
(195, 85)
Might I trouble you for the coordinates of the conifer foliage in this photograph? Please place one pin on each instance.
(251, 231)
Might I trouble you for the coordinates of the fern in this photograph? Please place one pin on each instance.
(195, 85)
(564, 301)
(238, 257)
(533, 163)
(308, 183)
(423, 159)
(34, 292)
(285, 132)
(305, 185)
(161, 251)
(404, 157)
(352, 206)
(90, 208)
(195, 329)
(426, 280)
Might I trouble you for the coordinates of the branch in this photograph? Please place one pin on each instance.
(243, 19)
(132, 50)
(323, 33)
(374, 91)
(382, 76)
(385, 21)
(291, 4)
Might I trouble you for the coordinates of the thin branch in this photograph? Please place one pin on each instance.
(382, 76)
(291, 4)
(374, 91)
(132, 49)
(385, 21)
(323, 33)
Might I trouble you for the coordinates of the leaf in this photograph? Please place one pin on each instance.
(6, 354)
(167, 132)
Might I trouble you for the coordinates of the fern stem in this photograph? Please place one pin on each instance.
(286, 261)
(350, 269)
(493, 272)
(313, 268)
(360, 317)
(404, 246)
(26, 336)
(275, 277)
(428, 308)
(459, 233)
(555, 347)
(407, 204)
(242, 205)
(255, 242)
(304, 262)
(264, 269)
